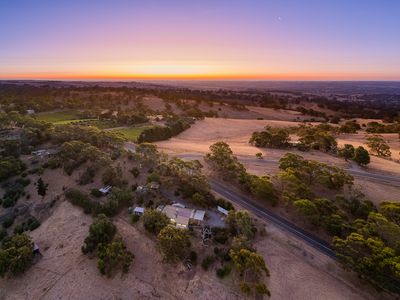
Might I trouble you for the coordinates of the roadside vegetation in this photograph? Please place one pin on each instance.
(365, 237)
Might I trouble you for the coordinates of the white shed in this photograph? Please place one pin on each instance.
(138, 211)
(222, 210)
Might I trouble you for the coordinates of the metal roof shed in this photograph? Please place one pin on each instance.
(222, 210)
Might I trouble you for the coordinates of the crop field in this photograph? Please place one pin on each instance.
(131, 133)
(59, 116)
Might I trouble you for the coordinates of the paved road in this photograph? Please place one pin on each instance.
(265, 214)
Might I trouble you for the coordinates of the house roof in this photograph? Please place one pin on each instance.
(182, 221)
(174, 212)
(199, 215)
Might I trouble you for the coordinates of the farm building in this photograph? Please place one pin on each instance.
(182, 217)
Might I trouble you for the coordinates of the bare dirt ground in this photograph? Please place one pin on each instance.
(65, 273)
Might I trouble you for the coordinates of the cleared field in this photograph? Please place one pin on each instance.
(131, 133)
(73, 121)
(73, 117)
(59, 116)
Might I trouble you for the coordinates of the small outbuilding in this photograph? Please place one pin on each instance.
(139, 211)
(222, 210)
(105, 190)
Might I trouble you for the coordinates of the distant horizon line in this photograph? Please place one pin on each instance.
(194, 79)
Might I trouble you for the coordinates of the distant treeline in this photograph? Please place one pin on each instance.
(49, 97)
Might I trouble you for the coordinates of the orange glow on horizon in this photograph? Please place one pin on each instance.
(194, 76)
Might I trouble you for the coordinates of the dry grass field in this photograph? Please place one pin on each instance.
(195, 142)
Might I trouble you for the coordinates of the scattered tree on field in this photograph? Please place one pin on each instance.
(113, 256)
(41, 187)
(378, 145)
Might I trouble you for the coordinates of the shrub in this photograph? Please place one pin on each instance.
(3, 234)
(80, 199)
(193, 257)
(8, 223)
(96, 193)
(101, 231)
(135, 172)
(223, 272)
(207, 262)
(220, 234)
(31, 224)
(18, 229)
(135, 218)
(153, 177)
(262, 289)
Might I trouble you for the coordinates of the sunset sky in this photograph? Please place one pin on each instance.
(278, 40)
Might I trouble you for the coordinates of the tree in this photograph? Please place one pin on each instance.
(241, 223)
(148, 153)
(370, 258)
(347, 152)
(391, 210)
(16, 255)
(199, 199)
(154, 220)
(174, 243)
(222, 159)
(114, 256)
(308, 171)
(262, 188)
(259, 155)
(10, 166)
(250, 266)
(361, 156)
(291, 160)
(123, 196)
(41, 187)
(350, 127)
(112, 176)
(318, 138)
(271, 137)
(308, 209)
(101, 231)
(378, 145)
